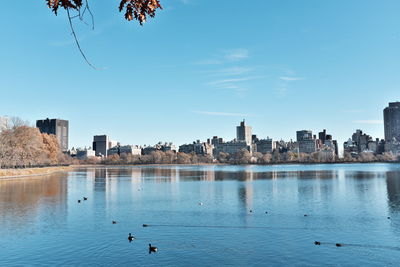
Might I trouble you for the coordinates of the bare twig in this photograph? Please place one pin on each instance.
(76, 40)
(90, 12)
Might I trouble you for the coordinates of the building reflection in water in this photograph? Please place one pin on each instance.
(393, 190)
(23, 199)
(100, 179)
(106, 180)
(245, 195)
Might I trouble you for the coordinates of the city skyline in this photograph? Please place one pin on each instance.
(235, 134)
(337, 74)
(187, 132)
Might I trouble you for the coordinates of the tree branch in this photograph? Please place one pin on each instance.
(76, 40)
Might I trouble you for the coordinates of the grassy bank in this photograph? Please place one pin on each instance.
(17, 173)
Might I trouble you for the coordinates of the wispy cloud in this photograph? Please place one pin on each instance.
(287, 78)
(237, 54)
(369, 121)
(209, 62)
(233, 80)
(235, 84)
(284, 79)
(226, 114)
(226, 57)
(230, 75)
(233, 71)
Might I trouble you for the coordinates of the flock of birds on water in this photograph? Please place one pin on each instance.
(153, 249)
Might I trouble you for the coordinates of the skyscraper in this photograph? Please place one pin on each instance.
(391, 117)
(304, 135)
(322, 136)
(243, 133)
(101, 144)
(57, 127)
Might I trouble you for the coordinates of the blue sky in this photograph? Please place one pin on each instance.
(201, 66)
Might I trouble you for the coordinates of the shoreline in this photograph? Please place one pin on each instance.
(10, 174)
(228, 164)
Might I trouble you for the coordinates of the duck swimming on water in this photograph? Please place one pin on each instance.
(85, 198)
(152, 249)
(130, 237)
(317, 243)
(339, 245)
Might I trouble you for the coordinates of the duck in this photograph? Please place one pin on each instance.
(266, 212)
(114, 222)
(152, 249)
(388, 218)
(305, 215)
(200, 203)
(79, 201)
(145, 225)
(251, 211)
(85, 198)
(130, 237)
(317, 243)
(339, 245)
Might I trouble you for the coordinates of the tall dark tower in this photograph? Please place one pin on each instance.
(391, 117)
(57, 127)
(322, 136)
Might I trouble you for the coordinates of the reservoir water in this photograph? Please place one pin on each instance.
(204, 216)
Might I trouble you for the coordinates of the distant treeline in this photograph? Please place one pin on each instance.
(241, 157)
(22, 146)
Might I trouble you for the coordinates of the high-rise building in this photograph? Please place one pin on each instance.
(322, 136)
(232, 147)
(391, 117)
(199, 148)
(57, 127)
(307, 142)
(265, 145)
(327, 141)
(215, 140)
(101, 144)
(304, 135)
(243, 133)
(308, 145)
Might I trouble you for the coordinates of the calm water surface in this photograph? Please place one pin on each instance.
(41, 222)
